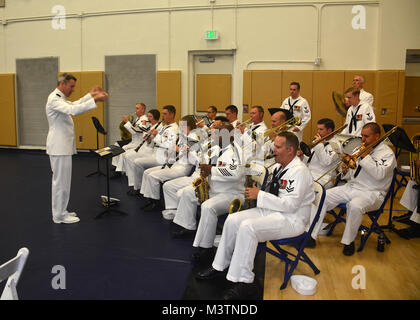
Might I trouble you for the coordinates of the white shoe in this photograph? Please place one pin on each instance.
(66, 219)
(168, 214)
(71, 214)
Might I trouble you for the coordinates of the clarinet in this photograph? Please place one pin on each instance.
(147, 136)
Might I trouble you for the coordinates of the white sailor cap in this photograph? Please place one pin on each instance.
(304, 285)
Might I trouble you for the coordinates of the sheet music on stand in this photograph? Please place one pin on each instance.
(108, 153)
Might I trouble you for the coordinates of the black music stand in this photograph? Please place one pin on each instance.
(400, 141)
(99, 129)
(107, 154)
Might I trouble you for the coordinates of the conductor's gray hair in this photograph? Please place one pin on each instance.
(66, 77)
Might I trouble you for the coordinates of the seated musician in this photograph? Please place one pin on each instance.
(358, 114)
(164, 143)
(139, 126)
(282, 212)
(250, 148)
(153, 177)
(143, 148)
(278, 117)
(173, 189)
(226, 182)
(323, 157)
(231, 113)
(411, 200)
(366, 188)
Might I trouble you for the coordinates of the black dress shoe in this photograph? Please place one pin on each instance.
(183, 233)
(133, 192)
(201, 255)
(115, 174)
(241, 291)
(153, 206)
(148, 203)
(310, 243)
(348, 249)
(209, 273)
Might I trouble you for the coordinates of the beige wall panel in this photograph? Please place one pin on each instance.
(84, 129)
(401, 90)
(411, 129)
(265, 92)
(7, 110)
(387, 83)
(247, 93)
(324, 83)
(168, 91)
(411, 97)
(213, 90)
(306, 88)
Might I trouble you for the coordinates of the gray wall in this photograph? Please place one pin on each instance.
(36, 79)
(128, 79)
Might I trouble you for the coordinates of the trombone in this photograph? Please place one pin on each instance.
(295, 121)
(306, 148)
(350, 160)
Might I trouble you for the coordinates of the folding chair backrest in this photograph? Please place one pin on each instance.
(318, 203)
(11, 270)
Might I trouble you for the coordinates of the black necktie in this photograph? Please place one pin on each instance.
(353, 121)
(310, 157)
(359, 167)
(275, 182)
(291, 105)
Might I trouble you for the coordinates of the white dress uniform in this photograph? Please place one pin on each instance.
(366, 97)
(281, 213)
(323, 158)
(251, 147)
(153, 177)
(365, 191)
(131, 155)
(137, 130)
(61, 145)
(226, 183)
(409, 200)
(357, 117)
(164, 145)
(298, 107)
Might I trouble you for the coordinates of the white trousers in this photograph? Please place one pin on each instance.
(241, 234)
(357, 203)
(186, 214)
(132, 171)
(118, 161)
(172, 190)
(409, 200)
(61, 167)
(153, 177)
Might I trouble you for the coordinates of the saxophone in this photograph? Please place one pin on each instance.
(201, 186)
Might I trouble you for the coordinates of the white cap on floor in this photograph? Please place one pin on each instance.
(304, 285)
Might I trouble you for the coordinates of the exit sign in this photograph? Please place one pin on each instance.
(212, 35)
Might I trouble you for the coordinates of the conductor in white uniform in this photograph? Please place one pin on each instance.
(282, 212)
(61, 141)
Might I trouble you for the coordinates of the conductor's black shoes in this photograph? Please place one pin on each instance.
(183, 233)
(348, 249)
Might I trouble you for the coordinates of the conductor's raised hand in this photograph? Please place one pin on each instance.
(100, 96)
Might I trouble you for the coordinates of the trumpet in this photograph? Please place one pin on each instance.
(350, 160)
(245, 123)
(306, 148)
